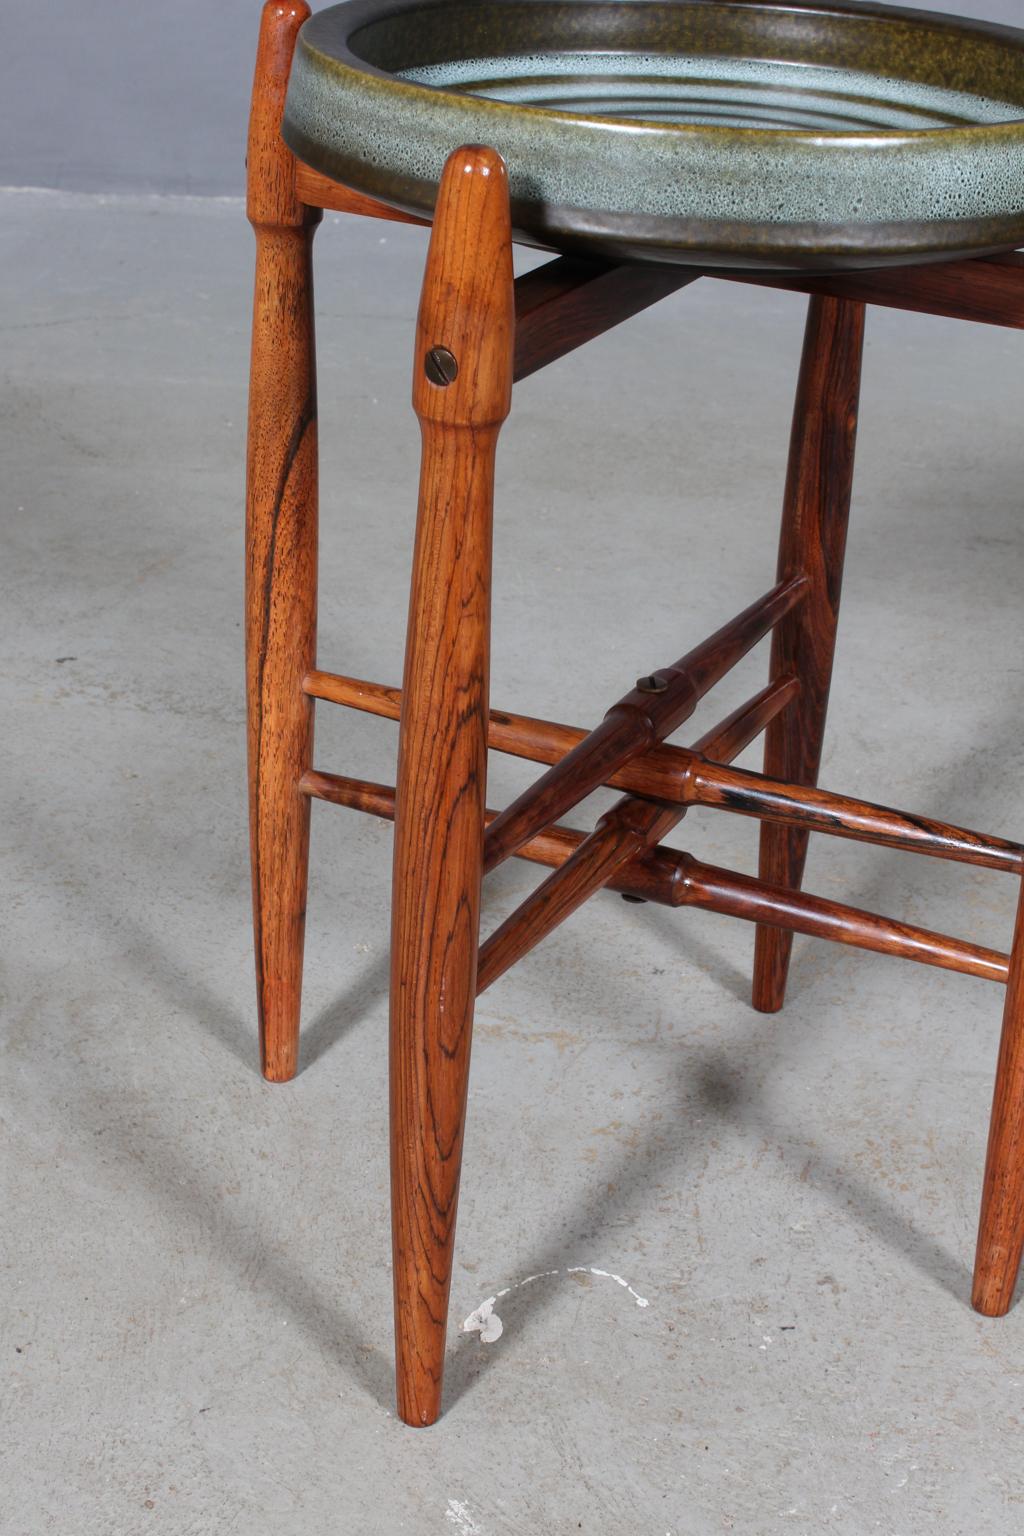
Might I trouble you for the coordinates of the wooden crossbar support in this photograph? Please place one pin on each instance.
(568, 302)
(673, 879)
(661, 773)
(382, 699)
(728, 738)
(706, 664)
(622, 834)
(551, 847)
(818, 810)
(720, 890)
(354, 794)
(699, 776)
(319, 191)
(989, 289)
(656, 775)
(642, 717)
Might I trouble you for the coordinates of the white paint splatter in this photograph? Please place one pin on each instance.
(581, 1269)
(486, 1322)
(461, 1518)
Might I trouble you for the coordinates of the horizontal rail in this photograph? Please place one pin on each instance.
(319, 191)
(659, 775)
(568, 302)
(818, 810)
(989, 290)
(552, 847)
(734, 895)
(675, 879)
(656, 775)
(640, 719)
(355, 794)
(729, 738)
(698, 776)
(355, 693)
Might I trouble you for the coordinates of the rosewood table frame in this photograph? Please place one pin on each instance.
(479, 331)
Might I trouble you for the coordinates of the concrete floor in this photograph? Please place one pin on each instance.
(198, 1334)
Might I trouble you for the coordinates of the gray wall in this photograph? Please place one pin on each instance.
(126, 95)
(151, 95)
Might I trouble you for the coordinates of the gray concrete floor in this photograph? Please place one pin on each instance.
(197, 1331)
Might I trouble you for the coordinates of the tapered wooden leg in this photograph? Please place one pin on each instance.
(462, 392)
(1001, 1230)
(814, 523)
(281, 548)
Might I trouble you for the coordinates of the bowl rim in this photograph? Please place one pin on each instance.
(339, 55)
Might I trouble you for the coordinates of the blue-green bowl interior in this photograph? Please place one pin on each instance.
(710, 64)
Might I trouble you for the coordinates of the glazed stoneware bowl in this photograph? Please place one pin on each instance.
(729, 133)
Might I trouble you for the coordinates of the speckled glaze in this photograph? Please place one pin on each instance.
(780, 133)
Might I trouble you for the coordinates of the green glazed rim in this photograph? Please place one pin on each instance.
(383, 90)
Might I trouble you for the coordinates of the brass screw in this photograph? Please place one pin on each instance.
(441, 367)
(652, 684)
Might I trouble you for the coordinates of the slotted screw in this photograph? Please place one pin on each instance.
(441, 367)
(652, 684)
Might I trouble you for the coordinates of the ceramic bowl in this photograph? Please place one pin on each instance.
(729, 133)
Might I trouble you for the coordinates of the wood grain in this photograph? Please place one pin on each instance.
(671, 878)
(987, 290)
(736, 895)
(621, 836)
(700, 776)
(730, 736)
(639, 720)
(568, 302)
(819, 810)
(660, 774)
(320, 191)
(467, 307)
(1001, 1228)
(813, 542)
(281, 547)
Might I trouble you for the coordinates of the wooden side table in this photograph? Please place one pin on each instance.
(479, 331)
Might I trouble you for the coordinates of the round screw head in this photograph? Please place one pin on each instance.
(441, 367)
(652, 684)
